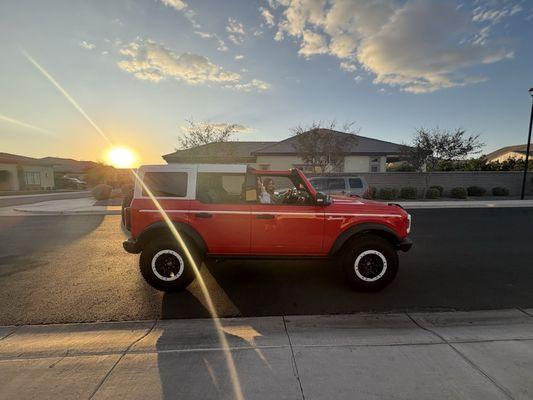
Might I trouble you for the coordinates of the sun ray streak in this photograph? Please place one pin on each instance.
(65, 93)
(237, 389)
(24, 124)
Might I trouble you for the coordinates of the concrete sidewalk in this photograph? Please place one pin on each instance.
(450, 355)
(83, 206)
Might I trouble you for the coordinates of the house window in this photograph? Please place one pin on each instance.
(32, 178)
(374, 164)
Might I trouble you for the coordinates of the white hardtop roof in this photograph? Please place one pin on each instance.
(228, 168)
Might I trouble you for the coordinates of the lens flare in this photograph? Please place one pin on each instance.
(24, 124)
(237, 390)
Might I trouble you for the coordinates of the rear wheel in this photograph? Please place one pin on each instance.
(369, 263)
(166, 267)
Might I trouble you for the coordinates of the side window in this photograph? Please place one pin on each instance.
(336, 184)
(320, 184)
(220, 188)
(355, 183)
(166, 184)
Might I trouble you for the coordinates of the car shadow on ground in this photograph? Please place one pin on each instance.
(191, 360)
(45, 233)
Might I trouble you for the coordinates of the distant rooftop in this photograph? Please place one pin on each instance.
(246, 152)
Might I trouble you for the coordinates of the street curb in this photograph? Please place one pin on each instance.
(81, 212)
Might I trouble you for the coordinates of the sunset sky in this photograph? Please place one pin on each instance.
(140, 68)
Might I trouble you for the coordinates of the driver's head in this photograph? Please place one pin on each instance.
(269, 185)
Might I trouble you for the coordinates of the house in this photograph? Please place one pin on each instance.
(360, 154)
(517, 152)
(25, 173)
(68, 167)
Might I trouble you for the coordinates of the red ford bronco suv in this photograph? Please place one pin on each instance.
(231, 211)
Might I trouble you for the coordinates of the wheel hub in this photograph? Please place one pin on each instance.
(167, 265)
(370, 265)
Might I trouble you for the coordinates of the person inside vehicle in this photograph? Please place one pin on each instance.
(266, 190)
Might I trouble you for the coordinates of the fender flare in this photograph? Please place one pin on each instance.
(161, 227)
(384, 230)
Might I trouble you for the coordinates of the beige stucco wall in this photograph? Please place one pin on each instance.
(506, 156)
(362, 164)
(278, 162)
(12, 183)
(351, 163)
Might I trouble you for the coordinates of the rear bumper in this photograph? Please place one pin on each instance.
(405, 244)
(131, 246)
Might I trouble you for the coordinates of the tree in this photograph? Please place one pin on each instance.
(200, 133)
(321, 148)
(433, 147)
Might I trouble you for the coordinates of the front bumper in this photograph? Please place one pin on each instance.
(131, 246)
(405, 244)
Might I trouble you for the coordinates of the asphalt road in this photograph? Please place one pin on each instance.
(72, 268)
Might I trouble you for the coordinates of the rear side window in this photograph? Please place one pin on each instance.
(220, 188)
(356, 183)
(166, 184)
(336, 184)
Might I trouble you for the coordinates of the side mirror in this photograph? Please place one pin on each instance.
(322, 199)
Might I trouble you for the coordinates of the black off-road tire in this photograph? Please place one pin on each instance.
(377, 262)
(165, 266)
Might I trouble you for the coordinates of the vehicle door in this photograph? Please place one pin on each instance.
(220, 213)
(287, 229)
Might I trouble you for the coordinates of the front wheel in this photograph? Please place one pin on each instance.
(165, 266)
(369, 263)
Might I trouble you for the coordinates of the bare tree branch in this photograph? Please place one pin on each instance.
(200, 133)
(321, 148)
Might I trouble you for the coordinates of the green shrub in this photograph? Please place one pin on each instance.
(408, 193)
(388, 193)
(439, 188)
(476, 191)
(370, 193)
(102, 191)
(432, 193)
(458, 193)
(500, 191)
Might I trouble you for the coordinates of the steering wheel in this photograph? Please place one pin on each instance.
(295, 196)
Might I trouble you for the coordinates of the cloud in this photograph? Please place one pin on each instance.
(418, 46)
(348, 66)
(268, 16)
(177, 4)
(87, 45)
(151, 61)
(236, 32)
(221, 46)
(239, 57)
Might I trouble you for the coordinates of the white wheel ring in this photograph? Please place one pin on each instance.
(358, 260)
(156, 272)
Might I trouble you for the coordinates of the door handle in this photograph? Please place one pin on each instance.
(265, 216)
(203, 215)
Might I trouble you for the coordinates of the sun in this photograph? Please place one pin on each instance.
(121, 157)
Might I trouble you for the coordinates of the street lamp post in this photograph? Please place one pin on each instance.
(527, 149)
